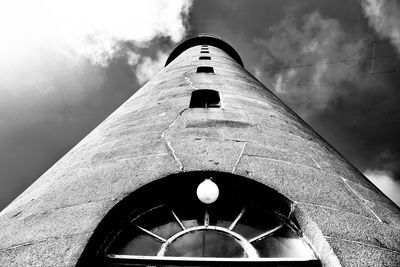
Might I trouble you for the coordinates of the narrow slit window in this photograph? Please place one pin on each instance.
(205, 98)
(205, 69)
(204, 58)
(204, 52)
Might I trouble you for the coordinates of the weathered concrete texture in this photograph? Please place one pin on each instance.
(279, 153)
(348, 226)
(155, 133)
(302, 183)
(103, 182)
(385, 215)
(58, 251)
(351, 253)
(207, 154)
(82, 218)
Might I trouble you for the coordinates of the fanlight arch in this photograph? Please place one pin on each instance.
(164, 223)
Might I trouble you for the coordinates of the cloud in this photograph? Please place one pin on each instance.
(384, 17)
(148, 67)
(47, 45)
(92, 28)
(132, 58)
(313, 39)
(386, 183)
(67, 64)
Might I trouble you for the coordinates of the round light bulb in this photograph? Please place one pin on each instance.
(207, 191)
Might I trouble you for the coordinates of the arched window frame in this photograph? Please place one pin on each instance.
(281, 208)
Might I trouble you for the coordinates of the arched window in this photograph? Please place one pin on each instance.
(229, 221)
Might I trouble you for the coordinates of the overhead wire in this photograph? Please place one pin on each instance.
(348, 59)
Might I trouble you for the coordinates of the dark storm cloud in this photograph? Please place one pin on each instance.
(39, 126)
(358, 113)
(311, 39)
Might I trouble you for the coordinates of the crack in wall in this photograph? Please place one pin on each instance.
(363, 244)
(34, 242)
(337, 209)
(343, 179)
(177, 160)
(259, 128)
(316, 163)
(190, 83)
(221, 134)
(362, 199)
(252, 122)
(168, 142)
(283, 161)
(240, 156)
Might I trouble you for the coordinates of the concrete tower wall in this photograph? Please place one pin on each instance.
(155, 134)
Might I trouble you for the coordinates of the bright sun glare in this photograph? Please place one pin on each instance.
(90, 28)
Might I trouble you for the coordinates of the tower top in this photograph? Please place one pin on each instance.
(204, 38)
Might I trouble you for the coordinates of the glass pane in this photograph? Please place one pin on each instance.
(255, 222)
(247, 231)
(142, 244)
(166, 230)
(224, 223)
(283, 243)
(160, 221)
(227, 213)
(190, 223)
(191, 215)
(206, 244)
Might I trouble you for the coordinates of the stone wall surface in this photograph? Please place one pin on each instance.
(155, 134)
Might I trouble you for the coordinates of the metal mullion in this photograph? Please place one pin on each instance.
(178, 220)
(248, 248)
(151, 233)
(237, 219)
(270, 232)
(132, 260)
(206, 218)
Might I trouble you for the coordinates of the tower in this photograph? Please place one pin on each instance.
(127, 192)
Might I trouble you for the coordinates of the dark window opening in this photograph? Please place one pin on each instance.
(205, 98)
(205, 69)
(204, 52)
(205, 58)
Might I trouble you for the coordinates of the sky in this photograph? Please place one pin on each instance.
(67, 64)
